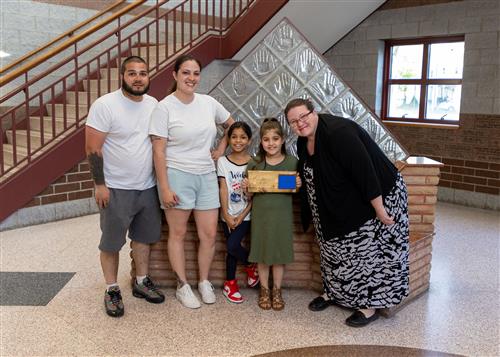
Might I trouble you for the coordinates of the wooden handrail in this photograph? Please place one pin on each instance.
(18, 72)
(68, 33)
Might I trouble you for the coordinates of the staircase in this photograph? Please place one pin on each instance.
(45, 135)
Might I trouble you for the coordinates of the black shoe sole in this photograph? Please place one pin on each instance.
(148, 299)
(115, 314)
(366, 322)
(321, 306)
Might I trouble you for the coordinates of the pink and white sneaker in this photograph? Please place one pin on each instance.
(252, 275)
(231, 291)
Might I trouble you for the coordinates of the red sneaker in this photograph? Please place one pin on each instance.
(252, 275)
(231, 291)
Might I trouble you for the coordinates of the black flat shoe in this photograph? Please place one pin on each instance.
(358, 319)
(319, 304)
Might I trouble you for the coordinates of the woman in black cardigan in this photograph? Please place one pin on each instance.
(357, 201)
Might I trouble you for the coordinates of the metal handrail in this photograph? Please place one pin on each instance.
(20, 71)
(97, 68)
(68, 33)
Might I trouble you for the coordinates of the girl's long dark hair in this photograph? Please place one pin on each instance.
(240, 125)
(177, 65)
(270, 124)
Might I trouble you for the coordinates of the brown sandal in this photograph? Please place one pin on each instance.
(264, 299)
(278, 303)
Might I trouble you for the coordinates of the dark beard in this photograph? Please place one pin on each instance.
(131, 91)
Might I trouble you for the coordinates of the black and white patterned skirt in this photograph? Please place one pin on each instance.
(367, 268)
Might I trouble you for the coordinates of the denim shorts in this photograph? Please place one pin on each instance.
(135, 211)
(199, 192)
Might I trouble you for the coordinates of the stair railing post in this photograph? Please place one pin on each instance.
(119, 36)
(157, 23)
(77, 99)
(28, 131)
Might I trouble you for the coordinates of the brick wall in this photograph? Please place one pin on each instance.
(471, 153)
(474, 147)
(421, 179)
(73, 185)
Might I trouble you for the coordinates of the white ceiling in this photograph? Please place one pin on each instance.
(322, 22)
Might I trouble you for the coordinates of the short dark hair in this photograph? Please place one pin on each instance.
(297, 102)
(131, 59)
(240, 125)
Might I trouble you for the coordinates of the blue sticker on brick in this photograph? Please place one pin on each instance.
(286, 182)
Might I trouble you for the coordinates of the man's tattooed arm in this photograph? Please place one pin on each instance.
(96, 168)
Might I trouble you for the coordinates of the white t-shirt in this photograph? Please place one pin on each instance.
(127, 151)
(234, 174)
(190, 130)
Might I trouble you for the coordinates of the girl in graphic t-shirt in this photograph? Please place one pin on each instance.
(235, 209)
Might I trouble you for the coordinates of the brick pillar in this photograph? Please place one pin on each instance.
(421, 176)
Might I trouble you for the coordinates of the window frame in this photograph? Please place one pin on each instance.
(424, 82)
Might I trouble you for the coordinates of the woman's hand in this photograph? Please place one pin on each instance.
(217, 153)
(169, 198)
(384, 217)
(298, 181)
(381, 212)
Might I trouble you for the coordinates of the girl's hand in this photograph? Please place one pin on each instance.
(238, 220)
(298, 181)
(169, 198)
(384, 217)
(229, 221)
(244, 185)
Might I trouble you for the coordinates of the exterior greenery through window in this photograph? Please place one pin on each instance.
(423, 80)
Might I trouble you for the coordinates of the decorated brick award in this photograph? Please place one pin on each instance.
(271, 181)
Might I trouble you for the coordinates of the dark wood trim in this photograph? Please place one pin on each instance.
(423, 82)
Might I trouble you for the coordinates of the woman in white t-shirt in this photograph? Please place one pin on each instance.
(183, 128)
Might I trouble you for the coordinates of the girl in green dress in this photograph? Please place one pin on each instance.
(272, 218)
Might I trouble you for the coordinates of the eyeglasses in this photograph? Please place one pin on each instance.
(302, 118)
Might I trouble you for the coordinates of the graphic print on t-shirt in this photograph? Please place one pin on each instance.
(235, 184)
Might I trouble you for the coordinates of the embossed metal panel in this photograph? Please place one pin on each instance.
(285, 66)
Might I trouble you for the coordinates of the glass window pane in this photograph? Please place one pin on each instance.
(446, 60)
(404, 101)
(443, 102)
(406, 61)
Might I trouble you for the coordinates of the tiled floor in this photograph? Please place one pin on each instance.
(460, 313)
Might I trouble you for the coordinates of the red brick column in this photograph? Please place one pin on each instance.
(421, 176)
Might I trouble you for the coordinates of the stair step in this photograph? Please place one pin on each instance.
(143, 50)
(47, 124)
(92, 85)
(70, 110)
(35, 138)
(114, 73)
(82, 97)
(8, 154)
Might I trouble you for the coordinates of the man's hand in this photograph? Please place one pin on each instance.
(101, 196)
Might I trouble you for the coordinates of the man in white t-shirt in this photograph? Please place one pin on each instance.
(120, 156)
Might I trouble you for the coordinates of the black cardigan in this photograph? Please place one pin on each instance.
(349, 171)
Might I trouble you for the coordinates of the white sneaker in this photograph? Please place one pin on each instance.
(206, 290)
(187, 298)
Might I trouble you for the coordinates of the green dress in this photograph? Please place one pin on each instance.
(272, 220)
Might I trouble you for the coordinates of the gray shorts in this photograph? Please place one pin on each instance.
(133, 210)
